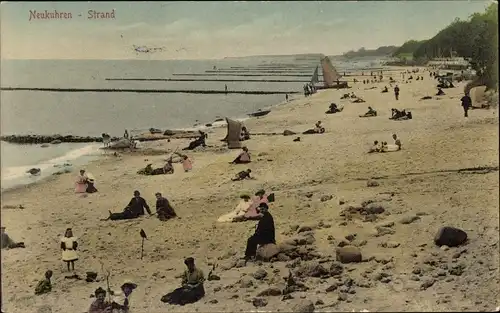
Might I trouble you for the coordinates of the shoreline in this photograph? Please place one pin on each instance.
(332, 166)
(105, 152)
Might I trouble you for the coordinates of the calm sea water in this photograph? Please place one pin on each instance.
(31, 112)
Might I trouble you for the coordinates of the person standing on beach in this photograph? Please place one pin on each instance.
(125, 135)
(225, 87)
(466, 104)
(396, 92)
(286, 97)
(68, 247)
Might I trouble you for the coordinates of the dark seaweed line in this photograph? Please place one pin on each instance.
(245, 92)
(208, 80)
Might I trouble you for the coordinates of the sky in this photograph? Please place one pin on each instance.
(212, 30)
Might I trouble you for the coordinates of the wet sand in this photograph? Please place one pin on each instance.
(334, 164)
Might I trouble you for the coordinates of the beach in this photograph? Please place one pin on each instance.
(422, 179)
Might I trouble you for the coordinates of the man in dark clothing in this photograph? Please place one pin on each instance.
(134, 209)
(163, 208)
(396, 92)
(264, 233)
(242, 175)
(466, 104)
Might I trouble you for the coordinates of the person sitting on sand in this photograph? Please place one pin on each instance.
(168, 168)
(264, 233)
(243, 157)
(44, 286)
(371, 112)
(245, 134)
(100, 305)
(200, 141)
(333, 109)
(81, 182)
(134, 209)
(397, 142)
(192, 288)
(242, 175)
(318, 129)
(346, 95)
(68, 247)
(123, 296)
(384, 147)
(359, 100)
(440, 92)
(163, 208)
(8, 243)
(385, 90)
(90, 184)
(375, 148)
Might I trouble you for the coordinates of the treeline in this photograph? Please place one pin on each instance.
(408, 48)
(380, 51)
(475, 39)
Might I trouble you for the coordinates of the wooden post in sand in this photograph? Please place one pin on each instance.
(143, 236)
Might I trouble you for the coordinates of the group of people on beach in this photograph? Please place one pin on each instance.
(137, 205)
(384, 147)
(193, 279)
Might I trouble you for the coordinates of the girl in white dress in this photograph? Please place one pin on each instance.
(69, 246)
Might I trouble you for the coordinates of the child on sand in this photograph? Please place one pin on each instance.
(187, 164)
(69, 246)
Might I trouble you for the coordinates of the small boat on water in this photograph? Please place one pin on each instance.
(259, 113)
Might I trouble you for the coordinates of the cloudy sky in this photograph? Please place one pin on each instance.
(205, 30)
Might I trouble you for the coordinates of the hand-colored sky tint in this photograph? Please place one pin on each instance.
(204, 30)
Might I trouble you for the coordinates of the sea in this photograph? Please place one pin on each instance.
(94, 113)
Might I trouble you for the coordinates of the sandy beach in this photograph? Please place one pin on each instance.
(420, 180)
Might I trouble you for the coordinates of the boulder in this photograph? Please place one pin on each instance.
(374, 208)
(303, 306)
(450, 236)
(348, 254)
(372, 183)
(287, 132)
(259, 274)
(259, 302)
(336, 268)
(266, 252)
(409, 219)
(311, 269)
(272, 291)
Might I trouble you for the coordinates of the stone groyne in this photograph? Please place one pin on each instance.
(40, 139)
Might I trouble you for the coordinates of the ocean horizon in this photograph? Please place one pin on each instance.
(94, 113)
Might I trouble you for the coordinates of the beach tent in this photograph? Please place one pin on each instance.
(233, 134)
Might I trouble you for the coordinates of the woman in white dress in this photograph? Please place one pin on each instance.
(69, 246)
